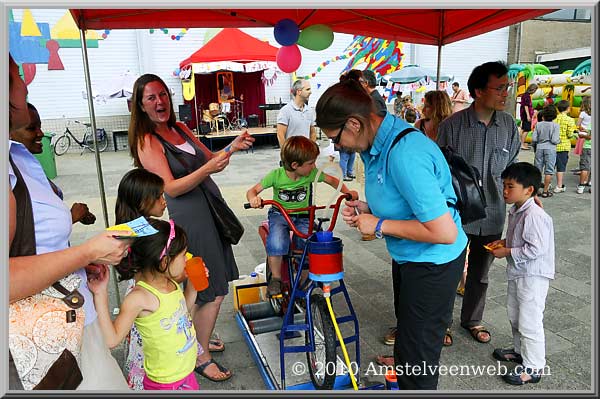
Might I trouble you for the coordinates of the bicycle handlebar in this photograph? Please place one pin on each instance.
(311, 212)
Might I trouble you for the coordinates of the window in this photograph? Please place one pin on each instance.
(569, 14)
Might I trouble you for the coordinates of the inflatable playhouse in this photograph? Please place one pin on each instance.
(570, 85)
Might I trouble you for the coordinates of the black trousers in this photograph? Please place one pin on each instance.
(476, 285)
(425, 299)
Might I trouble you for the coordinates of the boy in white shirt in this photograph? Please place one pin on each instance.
(529, 252)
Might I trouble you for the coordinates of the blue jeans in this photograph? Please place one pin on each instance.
(347, 162)
(278, 240)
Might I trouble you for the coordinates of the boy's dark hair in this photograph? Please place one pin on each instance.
(137, 191)
(562, 105)
(480, 76)
(298, 149)
(548, 113)
(456, 84)
(370, 78)
(145, 251)
(410, 115)
(524, 173)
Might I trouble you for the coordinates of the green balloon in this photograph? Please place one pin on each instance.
(316, 37)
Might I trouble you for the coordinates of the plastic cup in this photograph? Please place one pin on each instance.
(196, 273)
(324, 236)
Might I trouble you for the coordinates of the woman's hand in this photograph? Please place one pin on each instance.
(98, 282)
(366, 223)
(217, 163)
(351, 209)
(105, 249)
(242, 142)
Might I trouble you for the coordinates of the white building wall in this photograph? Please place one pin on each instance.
(58, 93)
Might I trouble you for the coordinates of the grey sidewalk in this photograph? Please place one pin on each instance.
(367, 266)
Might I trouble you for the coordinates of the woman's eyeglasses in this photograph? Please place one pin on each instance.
(336, 139)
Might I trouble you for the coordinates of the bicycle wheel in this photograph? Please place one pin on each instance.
(322, 363)
(102, 143)
(62, 145)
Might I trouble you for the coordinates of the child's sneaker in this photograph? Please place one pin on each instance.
(560, 189)
(274, 287)
(580, 189)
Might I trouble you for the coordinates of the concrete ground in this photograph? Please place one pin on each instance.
(367, 265)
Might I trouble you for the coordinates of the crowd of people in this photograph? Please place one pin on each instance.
(409, 201)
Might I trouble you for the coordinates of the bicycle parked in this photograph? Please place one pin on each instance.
(63, 142)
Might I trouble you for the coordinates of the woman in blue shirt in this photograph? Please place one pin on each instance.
(407, 186)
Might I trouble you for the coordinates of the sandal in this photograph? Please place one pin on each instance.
(385, 360)
(200, 370)
(460, 291)
(507, 355)
(547, 194)
(216, 345)
(448, 340)
(476, 331)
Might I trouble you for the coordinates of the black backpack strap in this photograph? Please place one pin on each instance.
(398, 138)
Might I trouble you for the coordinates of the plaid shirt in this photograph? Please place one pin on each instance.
(490, 149)
(567, 127)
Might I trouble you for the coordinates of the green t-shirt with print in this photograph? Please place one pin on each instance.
(291, 194)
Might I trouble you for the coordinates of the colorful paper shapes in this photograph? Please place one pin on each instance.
(28, 25)
(54, 61)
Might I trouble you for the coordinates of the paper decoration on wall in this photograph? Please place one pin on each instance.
(327, 62)
(66, 33)
(28, 73)
(106, 33)
(54, 61)
(28, 49)
(28, 25)
(381, 56)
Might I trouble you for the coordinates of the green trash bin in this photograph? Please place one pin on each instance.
(46, 158)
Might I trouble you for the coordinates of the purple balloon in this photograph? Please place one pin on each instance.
(286, 32)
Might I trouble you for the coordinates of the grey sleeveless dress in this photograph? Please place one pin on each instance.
(190, 211)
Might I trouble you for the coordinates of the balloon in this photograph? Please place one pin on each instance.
(286, 32)
(316, 37)
(288, 58)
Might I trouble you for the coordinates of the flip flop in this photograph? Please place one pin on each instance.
(216, 345)
(448, 340)
(200, 370)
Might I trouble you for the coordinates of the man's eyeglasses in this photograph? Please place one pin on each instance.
(503, 88)
(336, 139)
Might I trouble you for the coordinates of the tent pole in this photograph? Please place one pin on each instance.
(439, 64)
(90, 101)
(196, 108)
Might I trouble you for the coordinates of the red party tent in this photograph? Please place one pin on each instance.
(236, 51)
(232, 44)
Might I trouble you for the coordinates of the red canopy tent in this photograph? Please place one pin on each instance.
(230, 49)
(421, 26)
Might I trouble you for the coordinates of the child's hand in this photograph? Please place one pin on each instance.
(354, 194)
(206, 271)
(98, 282)
(500, 252)
(256, 202)
(490, 246)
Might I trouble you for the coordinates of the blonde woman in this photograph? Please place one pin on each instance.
(436, 108)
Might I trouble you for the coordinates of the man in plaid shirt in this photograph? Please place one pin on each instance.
(488, 139)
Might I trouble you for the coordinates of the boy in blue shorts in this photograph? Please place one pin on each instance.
(529, 252)
(292, 188)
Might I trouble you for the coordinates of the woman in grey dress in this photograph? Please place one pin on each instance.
(161, 145)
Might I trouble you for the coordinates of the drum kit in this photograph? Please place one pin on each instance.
(216, 115)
